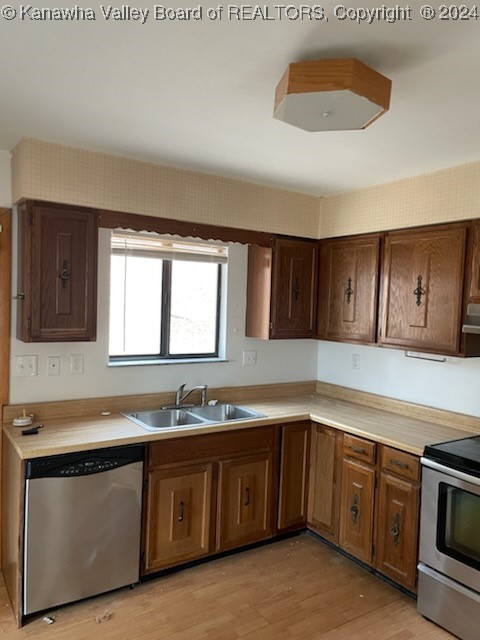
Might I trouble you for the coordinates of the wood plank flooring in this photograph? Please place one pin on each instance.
(289, 590)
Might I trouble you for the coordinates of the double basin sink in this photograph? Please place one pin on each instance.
(163, 419)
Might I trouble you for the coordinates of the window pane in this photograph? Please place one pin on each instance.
(193, 319)
(135, 305)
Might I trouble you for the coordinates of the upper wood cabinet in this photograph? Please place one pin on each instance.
(348, 289)
(292, 500)
(57, 273)
(422, 290)
(281, 290)
(475, 277)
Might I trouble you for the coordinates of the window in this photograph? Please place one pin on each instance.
(164, 297)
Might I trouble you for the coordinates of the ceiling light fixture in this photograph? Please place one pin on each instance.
(331, 95)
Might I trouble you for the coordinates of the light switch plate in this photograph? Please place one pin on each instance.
(249, 358)
(53, 365)
(26, 366)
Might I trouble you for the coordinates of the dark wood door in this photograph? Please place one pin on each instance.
(348, 289)
(244, 507)
(398, 522)
(475, 276)
(324, 481)
(357, 509)
(178, 518)
(292, 503)
(423, 289)
(294, 289)
(57, 273)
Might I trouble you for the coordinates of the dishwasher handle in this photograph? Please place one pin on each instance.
(83, 463)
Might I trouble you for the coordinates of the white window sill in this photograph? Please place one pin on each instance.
(142, 363)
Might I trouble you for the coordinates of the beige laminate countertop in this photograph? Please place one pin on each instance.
(92, 432)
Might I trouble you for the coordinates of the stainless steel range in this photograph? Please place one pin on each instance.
(449, 557)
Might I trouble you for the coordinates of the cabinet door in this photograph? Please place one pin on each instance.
(292, 504)
(475, 275)
(422, 290)
(294, 289)
(178, 519)
(57, 273)
(244, 511)
(348, 284)
(397, 539)
(324, 482)
(357, 509)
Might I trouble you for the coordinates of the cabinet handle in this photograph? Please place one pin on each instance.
(65, 275)
(357, 449)
(349, 291)
(398, 463)
(297, 289)
(419, 291)
(354, 508)
(395, 530)
(246, 502)
(181, 511)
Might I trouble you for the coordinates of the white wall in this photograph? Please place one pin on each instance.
(453, 385)
(5, 180)
(277, 361)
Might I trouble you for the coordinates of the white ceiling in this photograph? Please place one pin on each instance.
(199, 94)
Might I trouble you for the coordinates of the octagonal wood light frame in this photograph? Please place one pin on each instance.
(347, 79)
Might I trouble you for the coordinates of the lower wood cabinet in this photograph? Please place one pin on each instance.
(292, 500)
(324, 481)
(179, 503)
(357, 509)
(397, 533)
(211, 493)
(208, 493)
(244, 512)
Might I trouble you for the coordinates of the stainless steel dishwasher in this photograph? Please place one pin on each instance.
(82, 525)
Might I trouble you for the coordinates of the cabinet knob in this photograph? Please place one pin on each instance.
(65, 274)
(297, 289)
(181, 511)
(354, 508)
(419, 291)
(349, 291)
(395, 530)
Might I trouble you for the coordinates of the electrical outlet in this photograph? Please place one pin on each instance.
(355, 361)
(249, 358)
(76, 365)
(26, 366)
(53, 365)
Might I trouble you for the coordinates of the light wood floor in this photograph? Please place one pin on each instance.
(293, 589)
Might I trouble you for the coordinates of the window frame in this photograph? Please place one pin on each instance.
(165, 314)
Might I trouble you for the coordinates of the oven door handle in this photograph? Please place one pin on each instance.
(460, 475)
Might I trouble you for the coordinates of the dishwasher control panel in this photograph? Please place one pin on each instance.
(84, 463)
(91, 466)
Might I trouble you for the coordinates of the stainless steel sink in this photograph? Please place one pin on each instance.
(224, 412)
(163, 419)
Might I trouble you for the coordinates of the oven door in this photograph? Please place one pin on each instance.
(450, 523)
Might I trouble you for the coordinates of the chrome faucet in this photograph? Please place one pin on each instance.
(182, 395)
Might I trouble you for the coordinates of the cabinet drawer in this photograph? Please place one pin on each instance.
(359, 448)
(400, 463)
(206, 447)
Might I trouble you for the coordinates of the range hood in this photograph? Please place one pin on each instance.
(472, 323)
